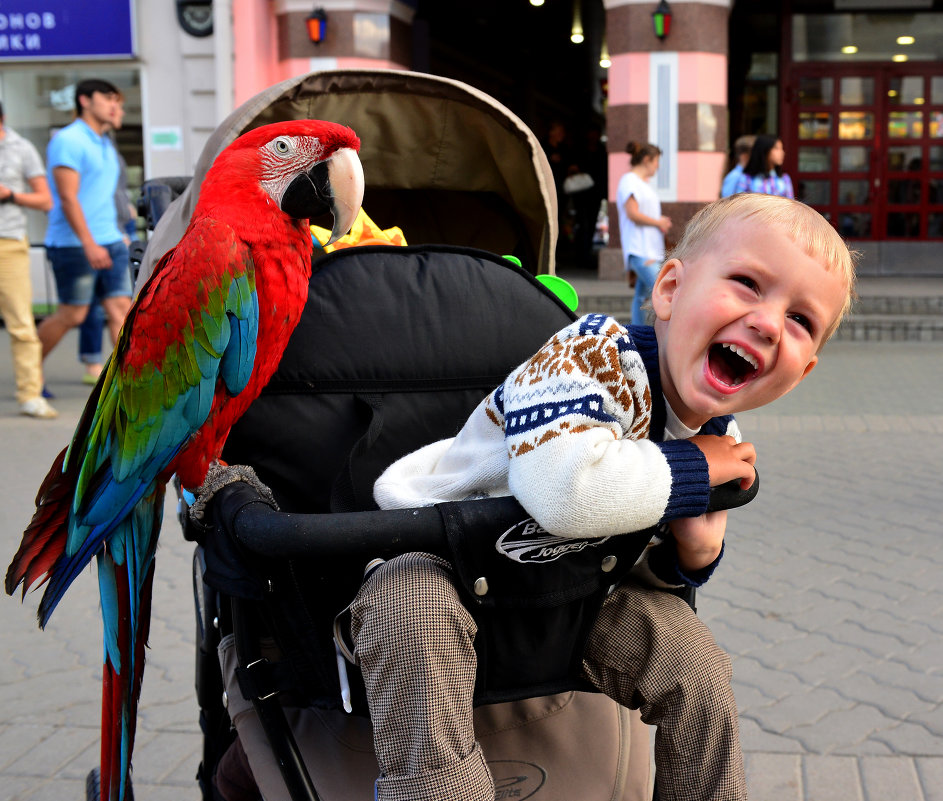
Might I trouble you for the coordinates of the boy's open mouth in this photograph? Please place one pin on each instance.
(731, 365)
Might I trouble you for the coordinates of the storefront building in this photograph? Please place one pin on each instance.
(855, 90)
(853, 87)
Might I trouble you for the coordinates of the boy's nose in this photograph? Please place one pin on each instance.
(766, 322)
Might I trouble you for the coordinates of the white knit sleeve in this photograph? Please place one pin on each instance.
(577, 417)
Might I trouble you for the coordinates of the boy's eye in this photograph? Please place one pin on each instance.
(803, 321)
(745, 280)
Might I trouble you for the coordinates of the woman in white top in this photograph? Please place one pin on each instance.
(642, 226)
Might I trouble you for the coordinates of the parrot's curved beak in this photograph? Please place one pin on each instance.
(335, 185)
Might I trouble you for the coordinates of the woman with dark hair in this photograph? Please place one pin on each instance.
(642, 227)
(764, 171)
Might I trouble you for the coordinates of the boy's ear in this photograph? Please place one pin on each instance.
(666, 286)
(808, 368)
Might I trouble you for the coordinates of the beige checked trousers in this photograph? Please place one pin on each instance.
(414, 642)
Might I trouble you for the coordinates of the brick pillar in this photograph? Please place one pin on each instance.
(360, 33)
(271, 42)
(672, 92)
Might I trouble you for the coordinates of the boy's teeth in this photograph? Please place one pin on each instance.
(743, 354)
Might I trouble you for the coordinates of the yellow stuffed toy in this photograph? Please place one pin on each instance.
(364, 231)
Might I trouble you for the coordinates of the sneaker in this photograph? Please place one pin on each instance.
(47, 394)
(39, 408)
(92, 371)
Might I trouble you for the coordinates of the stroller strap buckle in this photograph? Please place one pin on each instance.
(259, 680)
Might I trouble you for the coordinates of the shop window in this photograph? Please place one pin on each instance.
(854, 158)
(815, 193)
(815, 91)
(906, 91)
(903, 191)
(854, 193)
(855, 125)
(905, 159)
(763, 67)
(902, 224)
(936, 158)
(39, 99)
(905, 124)
(936, 124)
(815, 159)
(856, 91)
(857, 37)
(935, 190)
(936, 89)
(935, 226)
(854, 226)
(815, 125)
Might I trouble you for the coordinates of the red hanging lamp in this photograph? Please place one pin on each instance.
(317, 25)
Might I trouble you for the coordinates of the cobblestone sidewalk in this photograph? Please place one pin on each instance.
(828, 600)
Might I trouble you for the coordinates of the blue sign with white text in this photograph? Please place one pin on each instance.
(65, 29)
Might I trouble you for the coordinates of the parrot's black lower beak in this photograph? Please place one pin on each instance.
(334, 185)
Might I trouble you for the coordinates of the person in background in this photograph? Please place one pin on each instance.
(83, 241)
(23, 185)
(763, 172)
(741, 152)
(642, 226)
(93, 326)
(593, 160)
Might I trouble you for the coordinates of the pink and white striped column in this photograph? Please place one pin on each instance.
(672, 92)
(271, 43)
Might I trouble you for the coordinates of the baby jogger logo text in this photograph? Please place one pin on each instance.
(529, 542)
(516, 780)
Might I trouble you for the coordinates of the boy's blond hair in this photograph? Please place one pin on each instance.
(802, 224)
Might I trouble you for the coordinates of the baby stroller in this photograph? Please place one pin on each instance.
(396, 347)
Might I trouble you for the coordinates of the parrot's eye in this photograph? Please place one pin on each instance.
(281, 146)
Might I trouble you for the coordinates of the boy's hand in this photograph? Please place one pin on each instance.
(727, 460)
(699, 539)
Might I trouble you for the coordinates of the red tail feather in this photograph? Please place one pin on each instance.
(44, 540)
(122, 691)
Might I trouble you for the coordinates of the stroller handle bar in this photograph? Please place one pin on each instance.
(374, 534)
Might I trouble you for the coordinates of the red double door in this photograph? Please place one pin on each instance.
(864, 146)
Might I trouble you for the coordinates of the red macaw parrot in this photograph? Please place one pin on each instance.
(202, 339)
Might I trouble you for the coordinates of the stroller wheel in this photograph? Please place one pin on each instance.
(93, 783)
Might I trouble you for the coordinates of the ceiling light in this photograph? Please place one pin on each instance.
(919, 101)
(604, 61)
(892, 93)
(576, 32)
(536, 2)
(899, 57)
(905, 40)
(849, 49)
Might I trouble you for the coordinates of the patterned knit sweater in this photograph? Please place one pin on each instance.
(577, 434)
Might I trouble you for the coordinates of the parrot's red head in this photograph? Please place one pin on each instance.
(305, 167)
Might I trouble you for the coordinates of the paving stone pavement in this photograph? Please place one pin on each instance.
(828, 600)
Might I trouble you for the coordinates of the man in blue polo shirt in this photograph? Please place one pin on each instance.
(83, 241)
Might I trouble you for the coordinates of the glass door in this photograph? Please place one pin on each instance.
(865, 148)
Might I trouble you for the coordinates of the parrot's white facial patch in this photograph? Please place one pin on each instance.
(284, 158)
